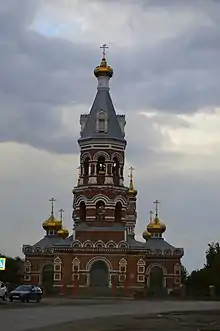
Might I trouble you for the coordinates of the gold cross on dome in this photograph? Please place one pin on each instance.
(151, 215)
(52, 200)
(61, 213)
(131, 172)
(157, 202)
(104, 47)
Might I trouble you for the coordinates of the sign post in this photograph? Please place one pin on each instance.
(2, 263)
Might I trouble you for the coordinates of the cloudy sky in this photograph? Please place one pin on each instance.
(165, 55)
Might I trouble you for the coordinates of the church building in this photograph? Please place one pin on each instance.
(101, 251)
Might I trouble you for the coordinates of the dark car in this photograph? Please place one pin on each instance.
(26, 293)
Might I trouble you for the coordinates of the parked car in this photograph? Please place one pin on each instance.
(3, 291)
(26, 293)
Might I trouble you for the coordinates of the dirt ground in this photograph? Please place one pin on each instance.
(187, 321)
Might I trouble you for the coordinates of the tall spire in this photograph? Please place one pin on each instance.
(102, 122)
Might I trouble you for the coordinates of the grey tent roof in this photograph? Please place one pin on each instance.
(152, 244)
(102, 101)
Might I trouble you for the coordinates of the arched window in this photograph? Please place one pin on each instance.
(115, 168)
(118, 211)
(100, 210)
(82, 211)
(101, 166)
(86, 167)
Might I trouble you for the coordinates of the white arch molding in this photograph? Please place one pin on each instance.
(99, 258)
(85, 155)
(79, 199)
(77, 243)
(88, 243)
(101, 153)
(99, 243)
(156, 265)
(111, 244)
(122, 200)
(95, 259)
(123, 244)
(100, 197)
(161, 267)
(118, 156)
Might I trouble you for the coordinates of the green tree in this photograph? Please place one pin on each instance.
(13, 272)
(184, 275)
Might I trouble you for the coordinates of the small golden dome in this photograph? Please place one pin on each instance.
(156, 226)
(103, 69)
(52, 224)
(146, 235)
(63, 233)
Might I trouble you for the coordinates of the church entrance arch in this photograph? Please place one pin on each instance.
(47, 277)
(99, 274)
(156, 279)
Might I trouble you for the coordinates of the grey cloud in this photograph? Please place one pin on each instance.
(39, 75)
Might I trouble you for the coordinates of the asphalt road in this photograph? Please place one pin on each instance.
(23, 319)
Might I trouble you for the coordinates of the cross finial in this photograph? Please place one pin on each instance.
(151, 215)
(131, 172)
(156, 207)
(52, 200)
(131, 186)
(104, 47)
(61, 214)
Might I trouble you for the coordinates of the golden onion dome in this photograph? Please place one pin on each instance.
(103, 69)
(146, 235)
(52, 224)
(156, 226)
(63, 233)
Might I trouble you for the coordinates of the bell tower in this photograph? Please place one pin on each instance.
(100, 197)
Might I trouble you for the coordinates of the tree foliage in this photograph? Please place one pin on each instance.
(200, 280)
(14, 270)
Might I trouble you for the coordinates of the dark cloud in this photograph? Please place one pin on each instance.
(40, 75)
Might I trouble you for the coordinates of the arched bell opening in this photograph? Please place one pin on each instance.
(118, 212)
(101, 170)
(115, 171)
(101, 166)
(82, 211)
(100, 211)
(86, 170)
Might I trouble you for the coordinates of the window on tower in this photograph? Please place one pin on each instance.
(82, 211)
(101, 167)
(102, 121)
(86, 167)
(101, 125)
(118, 212)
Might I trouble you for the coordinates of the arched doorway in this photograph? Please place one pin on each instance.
(47, 277)
(99, 274)
(156, 279)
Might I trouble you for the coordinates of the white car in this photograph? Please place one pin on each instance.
(3, 291)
